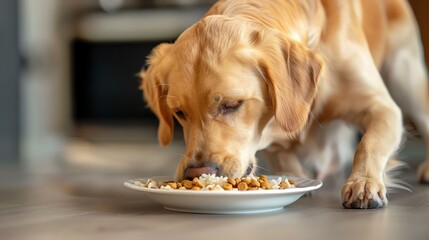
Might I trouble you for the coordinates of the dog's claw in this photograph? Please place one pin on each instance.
(375, 204)
(356, 204)
(364, 193)
(362, 204)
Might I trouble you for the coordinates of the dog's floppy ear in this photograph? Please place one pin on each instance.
(292, 72)
(155, 90)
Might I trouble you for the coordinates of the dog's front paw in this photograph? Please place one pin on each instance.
(363, 193)
(423, 173)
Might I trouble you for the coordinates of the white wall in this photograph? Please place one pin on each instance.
(45, 95)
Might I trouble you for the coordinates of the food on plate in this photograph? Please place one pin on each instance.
(211, 182)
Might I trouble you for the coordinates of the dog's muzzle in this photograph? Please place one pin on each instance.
(194, 172)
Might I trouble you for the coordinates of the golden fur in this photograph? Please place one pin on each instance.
(289, 77)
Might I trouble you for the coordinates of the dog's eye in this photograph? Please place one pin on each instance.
(180, 114)
(231, 106)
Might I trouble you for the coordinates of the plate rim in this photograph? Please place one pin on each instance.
(318, 184)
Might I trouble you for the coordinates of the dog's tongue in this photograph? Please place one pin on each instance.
(197, 171)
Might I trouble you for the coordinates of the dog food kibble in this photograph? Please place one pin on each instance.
(242, 186)
(197, 183)
(227, 186)
(254, 183)
(284, 185)
(210, 182)
(173, 185)
(246, 180)
(187, 184)
(232, 181)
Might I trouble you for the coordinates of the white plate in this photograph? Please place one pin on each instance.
(226, 202)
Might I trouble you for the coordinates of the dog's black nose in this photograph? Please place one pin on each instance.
(194, 172)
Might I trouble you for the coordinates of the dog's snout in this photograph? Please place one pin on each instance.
(194, 172)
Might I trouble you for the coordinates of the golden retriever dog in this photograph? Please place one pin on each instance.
(295, 79)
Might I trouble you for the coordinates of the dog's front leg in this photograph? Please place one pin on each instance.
(380, 121)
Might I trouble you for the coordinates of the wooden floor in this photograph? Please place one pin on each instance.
(95, 205)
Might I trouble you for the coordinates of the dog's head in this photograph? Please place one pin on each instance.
(224, 80)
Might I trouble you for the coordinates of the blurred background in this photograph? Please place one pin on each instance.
(69, 96)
